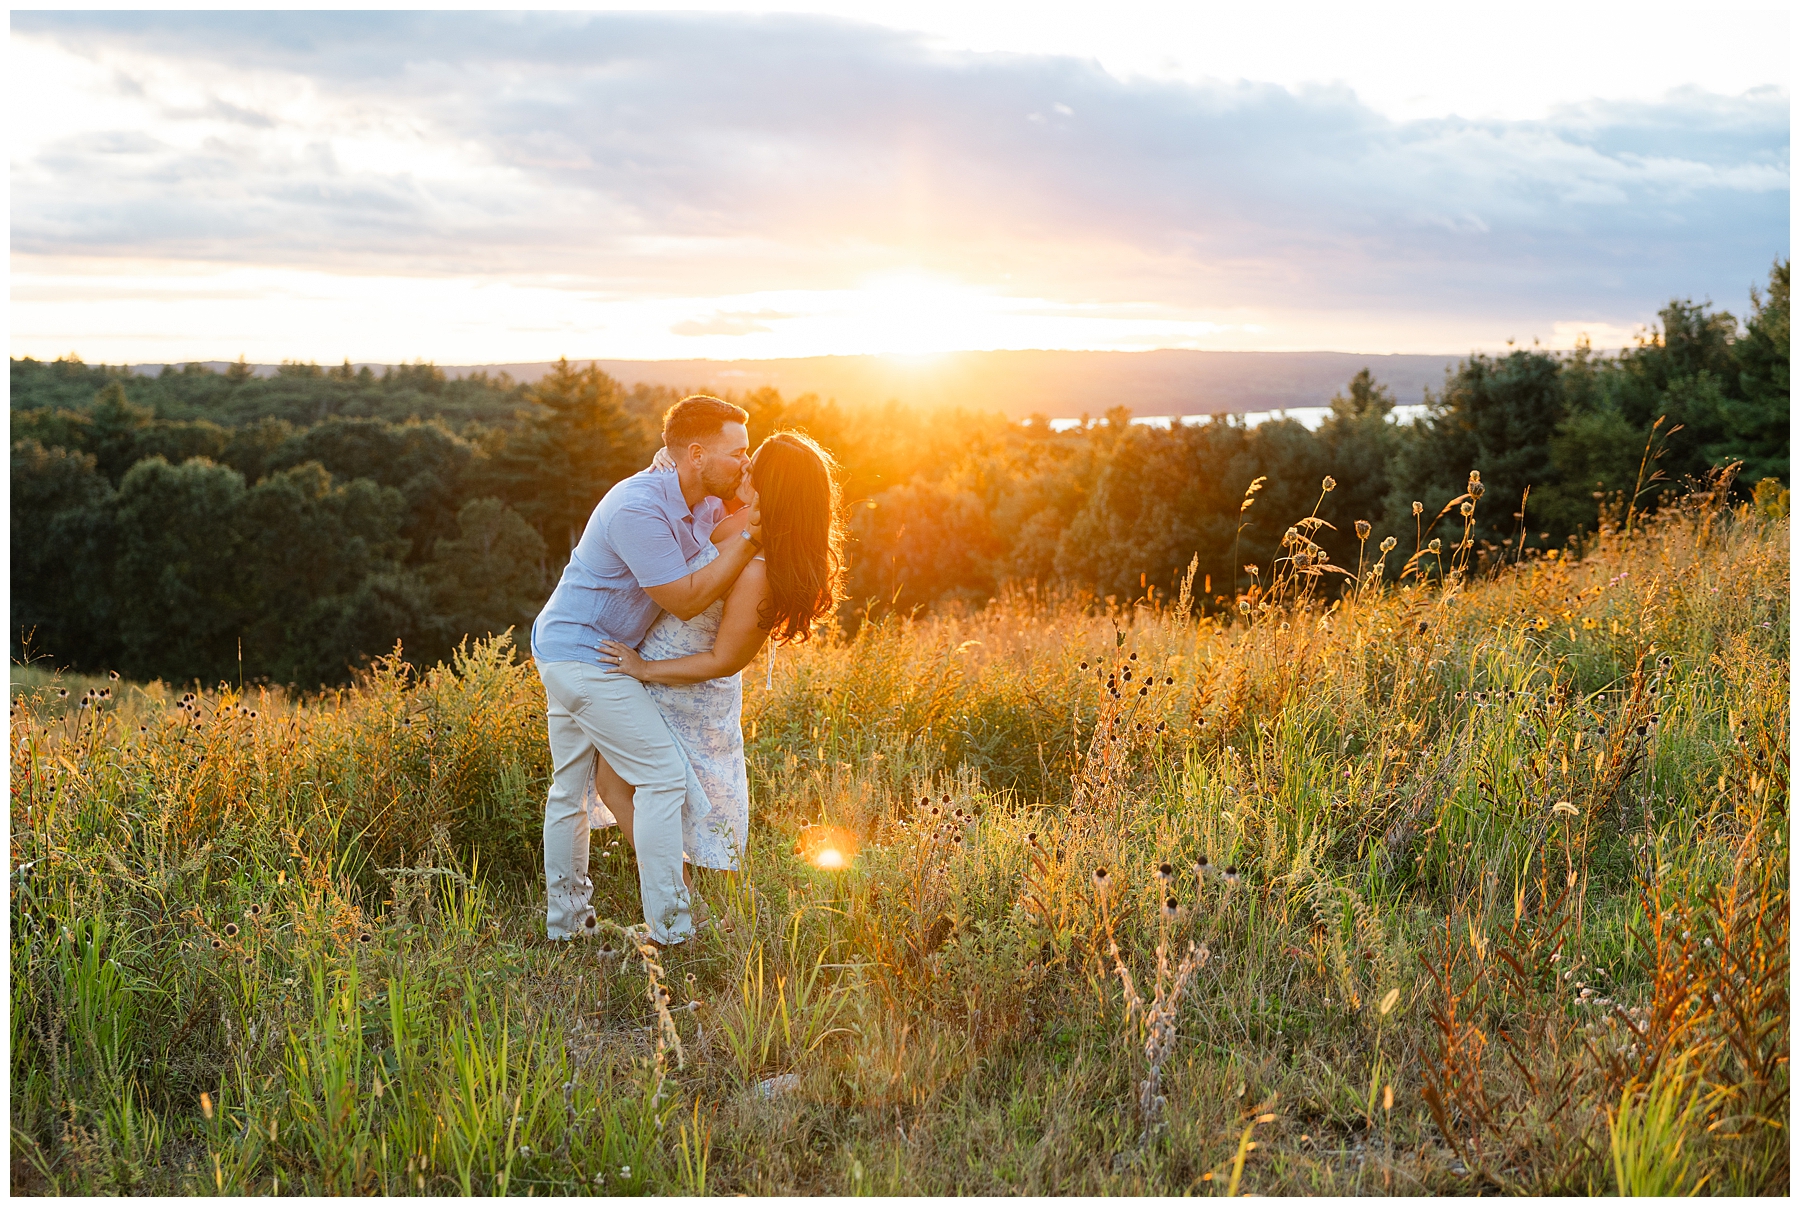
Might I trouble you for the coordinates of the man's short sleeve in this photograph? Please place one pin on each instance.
(643, 541)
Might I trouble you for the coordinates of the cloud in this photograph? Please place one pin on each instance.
(721, 323)
(655, 152)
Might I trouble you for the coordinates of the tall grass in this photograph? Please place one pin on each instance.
(1483, 873)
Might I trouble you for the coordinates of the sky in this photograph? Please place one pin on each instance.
(481, 187)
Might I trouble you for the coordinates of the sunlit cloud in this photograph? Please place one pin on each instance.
(509, 187)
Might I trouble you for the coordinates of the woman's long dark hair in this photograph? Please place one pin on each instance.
(802, 534)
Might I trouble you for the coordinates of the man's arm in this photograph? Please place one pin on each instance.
(739, 638)
(692, 594)
(731, 528)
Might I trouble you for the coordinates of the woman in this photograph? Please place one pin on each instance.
(691, 668)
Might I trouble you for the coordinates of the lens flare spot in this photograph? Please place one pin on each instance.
(828, 848)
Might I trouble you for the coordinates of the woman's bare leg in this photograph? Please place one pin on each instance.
(619, 797)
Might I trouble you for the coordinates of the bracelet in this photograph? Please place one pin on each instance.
(746, 535)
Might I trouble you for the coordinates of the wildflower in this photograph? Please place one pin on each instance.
(1170, 908)
(256, 909)
(1468, 509)
(1252, 569)
(1134, 655)
(1169, 682)
(1329, 484)
(1084, 666)
(1436, 545)
(1423, 626)
(62, 693)
(1165, 873)
(1161, 725)
(1144, 690)
(946, 798)
(1102, 881)
(217, 944)
(1363, 528)
(1418, 507)
(1244, 606)
(365, 938)
(1388, 543)
(231, 930)
(1031, 839)
(113, 675)
(1231, 874)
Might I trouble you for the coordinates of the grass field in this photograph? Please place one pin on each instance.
(1494, 897)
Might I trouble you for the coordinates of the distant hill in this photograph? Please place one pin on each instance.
(1060, 385)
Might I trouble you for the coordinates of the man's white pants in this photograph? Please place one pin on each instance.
(592, 710)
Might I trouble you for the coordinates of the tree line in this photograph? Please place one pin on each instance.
(214, 525)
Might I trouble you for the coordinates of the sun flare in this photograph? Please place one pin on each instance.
(828, 848)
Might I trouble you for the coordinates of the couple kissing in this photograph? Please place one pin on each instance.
(684, 570)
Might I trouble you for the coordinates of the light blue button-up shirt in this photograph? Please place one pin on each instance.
(642, 534)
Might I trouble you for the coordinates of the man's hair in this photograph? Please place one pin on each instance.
(698, 417)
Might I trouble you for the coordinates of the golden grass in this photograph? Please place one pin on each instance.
(1481, 867)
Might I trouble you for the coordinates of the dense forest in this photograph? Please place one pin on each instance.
(203, 525)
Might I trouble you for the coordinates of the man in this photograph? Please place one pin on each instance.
(630, 564)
